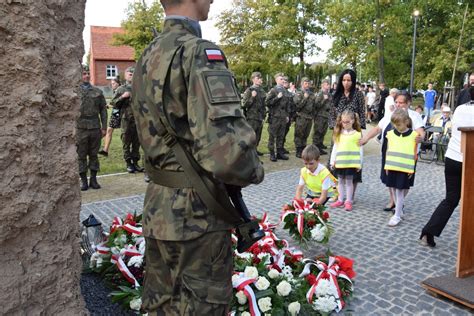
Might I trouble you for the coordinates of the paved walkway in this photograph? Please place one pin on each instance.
(389, 262)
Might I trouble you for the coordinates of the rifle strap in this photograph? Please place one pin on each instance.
(213, 194)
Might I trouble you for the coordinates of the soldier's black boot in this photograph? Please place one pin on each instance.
(137, 167)
(281, 155)
(285, 151)
(322, 151)
(130, 166)
(84, 185)
(272, 156)
(299, 150)
(93, 180)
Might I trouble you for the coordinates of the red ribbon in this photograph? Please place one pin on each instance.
(242, 283)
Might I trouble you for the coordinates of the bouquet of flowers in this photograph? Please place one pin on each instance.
(329, 282)
(120, 260)
(306, 221)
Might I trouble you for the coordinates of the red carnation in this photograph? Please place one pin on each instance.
(311, 278)
(346, 265)
(325, 215)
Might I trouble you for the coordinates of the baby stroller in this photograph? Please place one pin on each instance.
(433, 147)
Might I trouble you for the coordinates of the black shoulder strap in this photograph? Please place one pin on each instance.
(213, 194)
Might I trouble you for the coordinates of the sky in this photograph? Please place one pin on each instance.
(112, 12)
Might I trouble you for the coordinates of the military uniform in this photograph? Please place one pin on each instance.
(278, 116)
(304, 118)
(321, 119)
(92, 118)
(291, 117)
(188, 249)
(254, 109)
(129, 135)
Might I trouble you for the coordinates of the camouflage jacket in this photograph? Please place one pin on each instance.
(278, 107)
(202, 105)
(93, 105)
(304, 106)
(322, 106)
(124, 104)
(254, 107)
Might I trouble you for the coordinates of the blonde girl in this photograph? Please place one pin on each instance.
(346, 156)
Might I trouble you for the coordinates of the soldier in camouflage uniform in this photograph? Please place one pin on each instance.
(321, 116)
(89, 130)
(278, 102)
(130, 143)
(304, 101)
(291, 90)
(254, 105)
(188, 248)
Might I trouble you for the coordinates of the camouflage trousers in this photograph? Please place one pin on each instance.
(190, 277)
(276, 133)
(320, 128)
(302, 131)
(130, 142)
(87, 145)
(257, 127)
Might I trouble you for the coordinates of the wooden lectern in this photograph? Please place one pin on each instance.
(460, 287)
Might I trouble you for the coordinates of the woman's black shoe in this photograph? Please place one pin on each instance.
(390, 209)
(426, 239)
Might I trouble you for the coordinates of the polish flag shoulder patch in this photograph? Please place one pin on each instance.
(214, 55)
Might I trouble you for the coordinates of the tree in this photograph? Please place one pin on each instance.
(139, 24)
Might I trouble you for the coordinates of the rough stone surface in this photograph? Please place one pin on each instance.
(40, 51)
(389, 262)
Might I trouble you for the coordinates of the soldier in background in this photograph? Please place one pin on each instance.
(91, 126)
(304, 101)
(130, 143)
(278, 102)
(184, 80)
(254, 105)
(291, 90)
(321, 116)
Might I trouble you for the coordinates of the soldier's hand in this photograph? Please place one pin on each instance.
(287, 119)
(279, 95)
(103, 132)
(306, 95)
(325, 97)
(125, 95)
(254, 93)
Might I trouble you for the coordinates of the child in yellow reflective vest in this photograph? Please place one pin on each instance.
(320, 183)
(346, 156)
(400, 160)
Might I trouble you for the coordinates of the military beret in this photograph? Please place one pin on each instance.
(85, 68)
(256, 74)
(130, 69)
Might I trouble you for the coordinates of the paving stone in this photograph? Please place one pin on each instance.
(389, 262)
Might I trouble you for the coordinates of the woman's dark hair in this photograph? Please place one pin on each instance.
(340, 87)
(116, 79)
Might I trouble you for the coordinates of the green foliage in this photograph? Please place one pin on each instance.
(139, 24)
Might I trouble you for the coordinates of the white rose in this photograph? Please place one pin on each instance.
(294, 308)
(136, 303)
(273, 274)
(325, 287)
(241, 297)
(262, 283)
(284, 288)
(135, 261)
(265, 304)
(319, 232)
(251, 272)
(325, 304)
(245, 314)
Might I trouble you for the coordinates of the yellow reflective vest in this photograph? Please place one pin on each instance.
(315, 182)
(348, 151)
(401, 152)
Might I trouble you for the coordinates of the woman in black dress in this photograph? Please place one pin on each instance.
(347, 97)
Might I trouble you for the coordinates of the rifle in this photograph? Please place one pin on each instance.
(249, 232)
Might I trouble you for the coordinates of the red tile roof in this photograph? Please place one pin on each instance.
(101, 44)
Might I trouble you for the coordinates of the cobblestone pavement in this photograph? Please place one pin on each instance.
(389, 262)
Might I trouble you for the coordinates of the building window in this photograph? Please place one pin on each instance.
(111, 71)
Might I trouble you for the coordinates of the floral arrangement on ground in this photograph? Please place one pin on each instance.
(270, 278)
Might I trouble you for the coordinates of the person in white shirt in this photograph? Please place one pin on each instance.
(390, 102)
(463, 117)
(402, 100)
(370, 100)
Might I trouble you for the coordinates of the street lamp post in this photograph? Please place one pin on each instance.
(416, 13)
